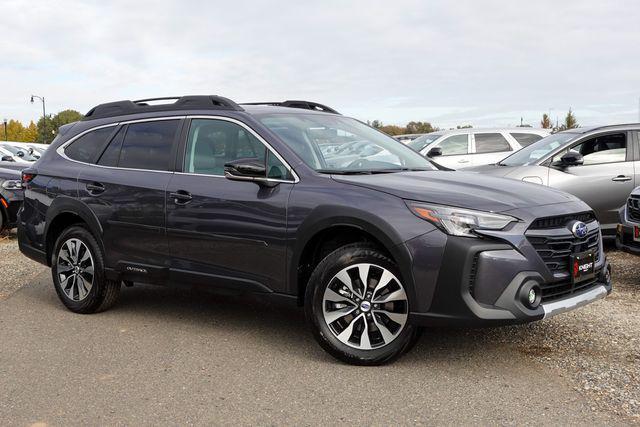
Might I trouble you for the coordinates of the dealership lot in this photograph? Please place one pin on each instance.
(165, 356)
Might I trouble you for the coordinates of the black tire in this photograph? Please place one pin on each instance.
(321, 278)
(103, 293)
(1, 221)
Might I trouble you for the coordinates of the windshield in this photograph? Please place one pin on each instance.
(539, 149)
(419, 143)
(336, 144)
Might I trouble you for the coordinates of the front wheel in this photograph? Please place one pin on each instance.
(358, 306)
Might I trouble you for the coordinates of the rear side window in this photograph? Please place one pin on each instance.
(491, 143)
(112, 153)
(148, 145)
(85, 148)
(525, 139)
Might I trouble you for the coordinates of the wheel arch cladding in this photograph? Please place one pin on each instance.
(64, 212)
(324, 236)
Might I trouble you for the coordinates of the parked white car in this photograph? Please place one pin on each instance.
(463, 148)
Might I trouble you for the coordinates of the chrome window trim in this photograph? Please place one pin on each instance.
(61, 153)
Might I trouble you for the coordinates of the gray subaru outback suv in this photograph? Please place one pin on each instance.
(369, 237)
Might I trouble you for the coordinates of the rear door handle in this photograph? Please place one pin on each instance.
(181, 197)
(621, 178)
(463, 161)
(95, 188)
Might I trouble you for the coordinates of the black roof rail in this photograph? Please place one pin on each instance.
(192, 102)
(305, 105)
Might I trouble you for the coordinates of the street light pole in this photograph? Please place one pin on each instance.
(5, 129)
(44, 114)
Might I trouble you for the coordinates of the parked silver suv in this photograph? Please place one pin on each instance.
(600, 165)
(463, 148)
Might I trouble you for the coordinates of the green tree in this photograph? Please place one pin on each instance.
(45, 128)
(376, 124)
(419, 127)
(570, 121)
(47, 131)
(546, 123)
(464, 127)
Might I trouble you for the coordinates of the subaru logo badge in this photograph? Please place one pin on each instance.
(579, 229)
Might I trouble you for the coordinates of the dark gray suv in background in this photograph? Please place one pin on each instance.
(373, 241)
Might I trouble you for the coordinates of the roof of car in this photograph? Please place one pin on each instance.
(585, 129)
(193, 103)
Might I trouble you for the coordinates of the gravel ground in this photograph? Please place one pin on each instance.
(596, 349)
(16, 270)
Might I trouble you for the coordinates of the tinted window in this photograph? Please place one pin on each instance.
(456, 144)
(112, 153)
(276, 169)
(491, 143)
(525, 139)
(603, 149)
(213, 143)
(148, 145)
(85, 148)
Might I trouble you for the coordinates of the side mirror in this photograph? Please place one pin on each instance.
(246, 170)
(571, 158)
(20, 154)
(7, 159)
(434, 152)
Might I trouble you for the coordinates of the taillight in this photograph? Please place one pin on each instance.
(27, 177)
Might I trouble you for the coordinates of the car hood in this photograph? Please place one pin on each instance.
(494, 170)
(461, 189)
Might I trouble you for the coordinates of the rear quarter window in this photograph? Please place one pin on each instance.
(85, 148)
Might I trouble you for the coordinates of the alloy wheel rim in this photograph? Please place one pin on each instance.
(75, 269)
(365, 306)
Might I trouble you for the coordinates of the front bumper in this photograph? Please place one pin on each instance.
(484, 282)
(9, 207)
(625, 235)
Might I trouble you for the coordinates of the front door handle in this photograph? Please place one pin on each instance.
(463, 161)
(95, 188)
(621, 178)
(181, 197)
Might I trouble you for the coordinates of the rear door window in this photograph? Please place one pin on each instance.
(525, 139)
(491, 143)
(85, 148)
(148, 145)
(111, 154)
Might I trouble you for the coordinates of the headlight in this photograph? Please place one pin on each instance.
(12, 185)
(458, 221)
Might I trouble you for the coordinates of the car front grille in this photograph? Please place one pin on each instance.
(563, 289)
(555, 245)
(561, 220)
(633, 208)
(555, 251)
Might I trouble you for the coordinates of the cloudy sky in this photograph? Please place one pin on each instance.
(448, 62)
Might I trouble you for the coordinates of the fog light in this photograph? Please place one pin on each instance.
(530, 294)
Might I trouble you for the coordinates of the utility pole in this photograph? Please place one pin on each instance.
(5, 129)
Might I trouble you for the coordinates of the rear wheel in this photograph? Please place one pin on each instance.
(77, 266)
(358, 306)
